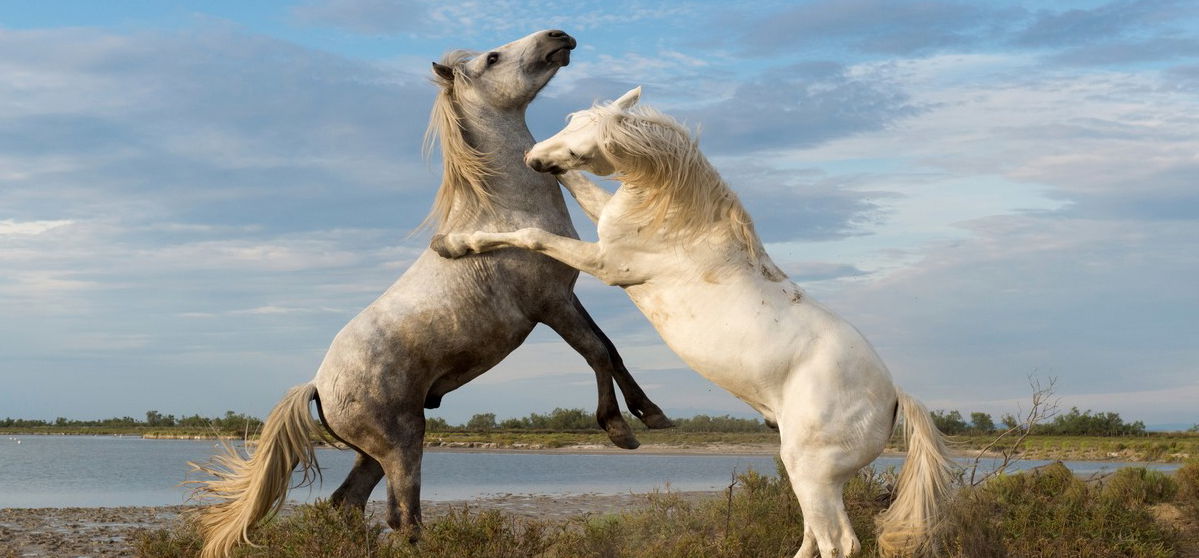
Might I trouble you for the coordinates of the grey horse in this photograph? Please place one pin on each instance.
(444, 322)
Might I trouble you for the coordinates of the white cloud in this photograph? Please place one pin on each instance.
(271, 310)
(13, 227)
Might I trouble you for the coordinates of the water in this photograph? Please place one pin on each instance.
(96, 471)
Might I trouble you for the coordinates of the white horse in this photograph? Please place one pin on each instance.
(679, 242)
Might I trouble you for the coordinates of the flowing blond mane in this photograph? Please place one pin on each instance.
(681, 191)
(465, 169)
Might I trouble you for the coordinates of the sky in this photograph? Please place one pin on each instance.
(196, 196)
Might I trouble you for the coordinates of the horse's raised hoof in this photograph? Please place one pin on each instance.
(621, 435)
(657, 421)
(437, 244)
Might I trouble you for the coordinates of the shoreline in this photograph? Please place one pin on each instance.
(689, 447)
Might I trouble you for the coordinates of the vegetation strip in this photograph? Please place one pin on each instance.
(1043, 513)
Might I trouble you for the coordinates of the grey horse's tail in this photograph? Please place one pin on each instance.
(925, 481)
(248, 488)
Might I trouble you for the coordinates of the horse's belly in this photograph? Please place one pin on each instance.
(739, 343)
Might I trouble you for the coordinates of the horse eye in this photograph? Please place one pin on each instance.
(493, 58)
(572, 153)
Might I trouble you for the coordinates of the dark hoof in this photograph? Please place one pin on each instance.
(437, 244)
(657, 421)
(621, 435)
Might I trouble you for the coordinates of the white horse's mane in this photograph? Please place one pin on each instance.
(681, 191)
(465, 169)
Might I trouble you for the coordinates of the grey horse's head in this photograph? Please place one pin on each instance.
(506, 77)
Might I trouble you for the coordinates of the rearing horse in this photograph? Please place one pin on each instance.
(680, 243)
(444, 322)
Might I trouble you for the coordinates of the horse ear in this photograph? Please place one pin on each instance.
(443, 71)
(626, 101)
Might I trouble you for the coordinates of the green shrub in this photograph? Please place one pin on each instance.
(1048, 512)
(1140, 486)
(1187, 479)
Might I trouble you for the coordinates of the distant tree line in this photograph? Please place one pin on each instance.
(1073, 423)
(558, 420)
(580, 420)
(231, 422)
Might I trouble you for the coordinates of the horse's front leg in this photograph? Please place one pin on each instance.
(590, 196)
(588, 257)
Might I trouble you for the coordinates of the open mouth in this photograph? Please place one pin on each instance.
(559, 56)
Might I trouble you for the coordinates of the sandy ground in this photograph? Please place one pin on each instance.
(109, 532)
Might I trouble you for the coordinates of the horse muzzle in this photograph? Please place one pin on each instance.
(541, 165)
(560, 45)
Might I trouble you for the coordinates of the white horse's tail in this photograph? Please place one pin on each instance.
(908, 526)
(248, 489)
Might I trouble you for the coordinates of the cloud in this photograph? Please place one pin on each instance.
(371, 17)
(13, 227)
(470, 18)
(810, 272)
(798, 106)
(205, 124)
(1098, 24)
(872, 26)
(1117, 32)
(1157, 49)
(1094, 303)
(803, 204)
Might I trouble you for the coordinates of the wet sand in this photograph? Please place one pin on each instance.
(109, 532)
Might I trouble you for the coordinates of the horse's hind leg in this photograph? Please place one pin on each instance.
(819, 481)
(639, 403)
(400, 461)
(356, 489)
(577, 333)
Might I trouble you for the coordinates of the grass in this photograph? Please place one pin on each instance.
(1187, 479)
(1043, 513)
(1167, 447)
(539, 440)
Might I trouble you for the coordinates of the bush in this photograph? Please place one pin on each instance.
(1187, 479)
(1050, 513)
(1138, 485)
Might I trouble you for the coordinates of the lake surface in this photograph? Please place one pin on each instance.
(104, 471)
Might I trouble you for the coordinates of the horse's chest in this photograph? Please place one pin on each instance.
(706, 327)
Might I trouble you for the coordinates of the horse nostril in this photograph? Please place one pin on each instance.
(535, 164)
(561, 35)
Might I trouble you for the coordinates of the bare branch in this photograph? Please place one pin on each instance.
(1045, 405)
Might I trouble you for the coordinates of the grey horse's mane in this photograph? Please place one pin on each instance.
(681, 189)
(465, 169)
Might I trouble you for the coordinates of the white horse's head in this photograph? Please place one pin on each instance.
(506, 77)
(579, 145)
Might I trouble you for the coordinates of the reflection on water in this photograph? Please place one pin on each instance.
(93, 471)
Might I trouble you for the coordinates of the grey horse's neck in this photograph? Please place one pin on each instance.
(524, 197)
